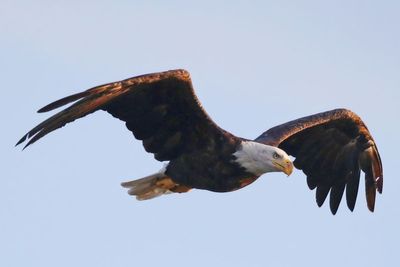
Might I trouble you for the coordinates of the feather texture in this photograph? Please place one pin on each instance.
(331, 148)
(162, 110)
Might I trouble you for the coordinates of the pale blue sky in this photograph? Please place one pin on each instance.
(254, 64)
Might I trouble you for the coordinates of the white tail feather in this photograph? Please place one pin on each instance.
(146, 187)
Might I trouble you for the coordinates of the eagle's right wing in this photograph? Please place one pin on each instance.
(331, 148)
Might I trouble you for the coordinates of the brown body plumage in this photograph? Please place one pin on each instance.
(162, 110)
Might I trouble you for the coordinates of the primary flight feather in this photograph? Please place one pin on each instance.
(162, 110)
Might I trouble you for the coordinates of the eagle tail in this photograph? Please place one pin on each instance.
(150, 186)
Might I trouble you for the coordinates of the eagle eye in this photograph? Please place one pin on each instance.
(276, 155)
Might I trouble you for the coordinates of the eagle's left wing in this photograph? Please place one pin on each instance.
(161, 109)
(331, 148)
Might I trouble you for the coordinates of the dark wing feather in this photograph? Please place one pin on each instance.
(160, 108)
(331, 148)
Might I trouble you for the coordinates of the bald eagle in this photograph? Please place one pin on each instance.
(162, 110)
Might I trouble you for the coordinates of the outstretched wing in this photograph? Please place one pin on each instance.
(331, 148)
(160, 108)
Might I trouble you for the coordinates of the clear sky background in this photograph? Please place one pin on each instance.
(254, 64)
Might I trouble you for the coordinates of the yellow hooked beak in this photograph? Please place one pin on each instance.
(285, 166)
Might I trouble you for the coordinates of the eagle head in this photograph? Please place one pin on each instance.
(258, 158)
